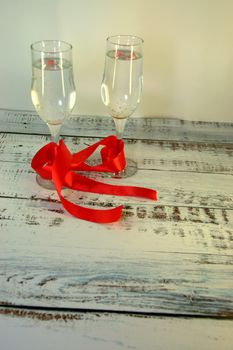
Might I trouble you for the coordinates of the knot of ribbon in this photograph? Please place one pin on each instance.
(55, 162)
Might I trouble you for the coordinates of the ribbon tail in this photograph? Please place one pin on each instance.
(100, 216)
(82, 183)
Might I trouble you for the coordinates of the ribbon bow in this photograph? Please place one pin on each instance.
(55, 162)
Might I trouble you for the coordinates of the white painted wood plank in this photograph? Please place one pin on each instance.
(180, 189)
(159, 155)
(160, 283)
(115, 332)
(138, 128)
(146, 228)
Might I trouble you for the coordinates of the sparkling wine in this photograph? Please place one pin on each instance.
(122, 82)
(53, 90)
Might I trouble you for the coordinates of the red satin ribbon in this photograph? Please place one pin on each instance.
(57, 163)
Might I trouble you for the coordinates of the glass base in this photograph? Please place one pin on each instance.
(130, 170)
(47, 184)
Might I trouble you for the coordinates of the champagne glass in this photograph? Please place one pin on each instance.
(122, 84)
(52, 90)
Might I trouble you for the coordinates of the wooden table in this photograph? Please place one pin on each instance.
(160, 278)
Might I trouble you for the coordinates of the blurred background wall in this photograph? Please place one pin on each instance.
(188, 52)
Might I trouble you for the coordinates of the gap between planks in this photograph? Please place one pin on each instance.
(68, 313)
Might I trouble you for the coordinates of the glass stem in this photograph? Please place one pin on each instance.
(55, 132)
(120, 127)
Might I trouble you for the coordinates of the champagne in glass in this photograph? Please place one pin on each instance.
(52, 90)
(122, 84)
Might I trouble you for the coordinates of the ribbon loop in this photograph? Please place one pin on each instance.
(57, 163)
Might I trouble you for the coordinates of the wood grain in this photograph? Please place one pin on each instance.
(148, 264)
(149, 283)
